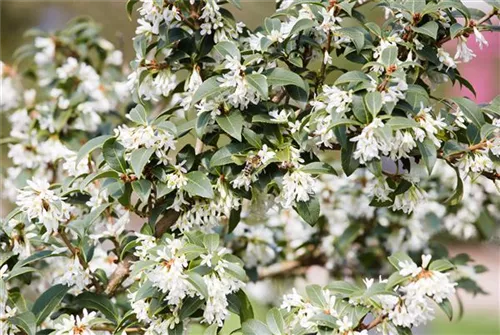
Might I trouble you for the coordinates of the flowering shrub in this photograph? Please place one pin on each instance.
(246, 155)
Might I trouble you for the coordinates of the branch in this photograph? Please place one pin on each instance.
(468, 29)
(121, 273)
(278, 269)
(77, 253)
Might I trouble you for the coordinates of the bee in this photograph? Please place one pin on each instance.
(251, 164)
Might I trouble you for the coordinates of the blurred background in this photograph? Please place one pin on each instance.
(482, 313)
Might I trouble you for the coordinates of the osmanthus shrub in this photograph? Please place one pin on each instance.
(316, 142)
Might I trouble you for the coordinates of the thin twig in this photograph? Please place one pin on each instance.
(77, 253)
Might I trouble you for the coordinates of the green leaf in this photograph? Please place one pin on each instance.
(399, 122)
(211, 242)
(373, 102)
(428, 152)
(211, 330)
(143, 189)
(415, 6)
(19, 271)
(349, 164)
(259, 83)
(456, 29)
(271, 25)
(352, 76)
(189, 306)
(417, 96)
(456, 197)
(342, 287)
(348, 237)
(315, 294)
(113, 153)
(255, 327)
(318, 168)
(447, 308)
(240, 305)
(138, 115)
(441, 265)
(227, 48)
(373, 28)
(198, 184)
(282, 77)
(389, 56)
(394, 280)
(224, 154)
(130, 7)
(34, 258)
(232, 124)
(430, 29)
(99, 303)
(309, 210)
(139, 158)
(359, 109)
(301, 25)
(98, 175)
(90, 146)
(25, 321)
(208, 89)
(48, 301)
(398, 257)
(198, 283)
(471, 111)
(252, 138)
(275, 321)
(355, 34)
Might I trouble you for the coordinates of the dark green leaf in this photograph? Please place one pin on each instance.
(114, 153)
(139, 158)
(198, 184)
(232, 124)
(48, 301)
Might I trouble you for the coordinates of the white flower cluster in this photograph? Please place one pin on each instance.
(332, 99)
(171, 275)
(207, 215)
(159, 138)
(8, 91)
(414, 307)
(41, 203)
(297, 186)
(214, 23)
(409, 305)
(73, 325)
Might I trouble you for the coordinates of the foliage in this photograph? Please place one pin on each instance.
(246, 155)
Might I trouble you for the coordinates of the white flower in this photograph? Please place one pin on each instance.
(265, 154)
(432, 126)
(463, 52)
(177, 179)
(47, 50)
(344, 324)
(426, 260)
(333, 99)
(409, 268)
(402, 144)
(369, 142)
(409, 200)
(165, 82)
(243, 180)
(445, 59)
(75, 275)
(279, 116)
(297, 186)
(480, 38)
(76, 325)
(39, 202)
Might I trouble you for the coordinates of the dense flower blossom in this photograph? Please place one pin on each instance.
(39, 202)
